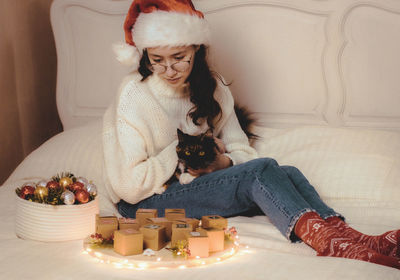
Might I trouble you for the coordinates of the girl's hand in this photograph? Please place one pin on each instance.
(220, 145)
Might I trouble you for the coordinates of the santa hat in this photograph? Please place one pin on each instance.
(157, 23)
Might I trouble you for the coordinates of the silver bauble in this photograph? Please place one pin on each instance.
(82, 180)
(91, 188)
(42, 184)
(68, 197)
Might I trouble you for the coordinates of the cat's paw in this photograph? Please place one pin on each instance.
(186, 178)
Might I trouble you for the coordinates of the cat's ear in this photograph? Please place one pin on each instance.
(208, 133)
(181, 135)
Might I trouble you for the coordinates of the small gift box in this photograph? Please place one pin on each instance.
(126, 223)
(154, 236)
(165, 223)
(106, 226)
(194, 222)
(216, 238)
(128, 242)
(198, 244)
(175, 214)
(143, 214)
(178, 232)
(214, 221)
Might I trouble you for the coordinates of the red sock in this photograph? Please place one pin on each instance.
(387, 244)
(327, 240)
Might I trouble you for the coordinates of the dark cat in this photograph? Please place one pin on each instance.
(198, 152)
(195, 152)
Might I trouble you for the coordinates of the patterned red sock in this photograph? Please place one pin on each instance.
(327, 240)
(387, 244)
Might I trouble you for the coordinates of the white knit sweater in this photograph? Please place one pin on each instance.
(139, 136)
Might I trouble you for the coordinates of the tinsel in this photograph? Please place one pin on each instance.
(180, 249)
(97, 241)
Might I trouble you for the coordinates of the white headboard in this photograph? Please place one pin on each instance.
(318, 62)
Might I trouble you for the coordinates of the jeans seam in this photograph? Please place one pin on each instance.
(270, 196)
(195, 187)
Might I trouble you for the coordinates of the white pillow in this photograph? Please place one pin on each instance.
(356, 171)
(78, 150)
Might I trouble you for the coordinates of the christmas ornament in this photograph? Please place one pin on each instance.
(82, 180)
(54, 190)
(26, 190)
(82, 196)
(31, 184)
(41, 193)
(42, 183)
(65, 182)
(68, 197)
(76, 186)
(91, 189)
(52, 185)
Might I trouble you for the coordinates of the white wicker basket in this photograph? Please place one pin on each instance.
(44, 222)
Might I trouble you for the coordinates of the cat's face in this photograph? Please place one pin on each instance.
(196, 152)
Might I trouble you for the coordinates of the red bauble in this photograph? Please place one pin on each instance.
(26, 190)
(52, 185)
(76, 187)
(82, 196)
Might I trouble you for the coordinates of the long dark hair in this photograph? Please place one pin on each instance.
(202, 85)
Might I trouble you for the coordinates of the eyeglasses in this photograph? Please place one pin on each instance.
(179, 66)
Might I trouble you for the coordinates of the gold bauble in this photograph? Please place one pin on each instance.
(41, 192)
(65, 182)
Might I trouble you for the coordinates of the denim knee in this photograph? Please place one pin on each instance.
(261, 164)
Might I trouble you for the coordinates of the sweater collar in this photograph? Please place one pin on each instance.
(161, 88)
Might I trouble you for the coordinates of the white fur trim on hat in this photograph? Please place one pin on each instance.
(127, 54)
(161, 28)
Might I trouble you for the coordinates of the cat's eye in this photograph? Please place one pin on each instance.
(187, 153)
(201, 153)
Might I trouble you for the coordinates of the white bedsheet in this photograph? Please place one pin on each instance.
(355, 171)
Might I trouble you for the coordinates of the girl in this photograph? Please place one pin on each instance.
(174, 88)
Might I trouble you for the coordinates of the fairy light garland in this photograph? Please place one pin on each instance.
(159, 262)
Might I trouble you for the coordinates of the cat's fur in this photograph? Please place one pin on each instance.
(198, 151)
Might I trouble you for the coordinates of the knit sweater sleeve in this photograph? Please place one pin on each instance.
(133, 173)
(236, 142)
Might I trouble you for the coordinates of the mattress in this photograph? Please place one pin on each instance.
(356, 171)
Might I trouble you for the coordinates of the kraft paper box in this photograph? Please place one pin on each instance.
(198, 244)
(143, 214)
(163, 222)
(214, 221)
(175, 214)
(154, 236)
(106, 226)
(178, 232)
(216, 238)
(128, 242)
(194, 222)
(126, 223)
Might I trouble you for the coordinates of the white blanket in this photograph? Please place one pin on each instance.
(355, 171)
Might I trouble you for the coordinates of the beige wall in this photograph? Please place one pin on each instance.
(28, 113)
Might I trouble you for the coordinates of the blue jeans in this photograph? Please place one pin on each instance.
(281, 192)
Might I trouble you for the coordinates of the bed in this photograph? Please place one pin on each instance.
(323, 80)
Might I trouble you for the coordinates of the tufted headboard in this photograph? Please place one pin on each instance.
(304, 62)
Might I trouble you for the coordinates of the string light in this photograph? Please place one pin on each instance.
(158, 263)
